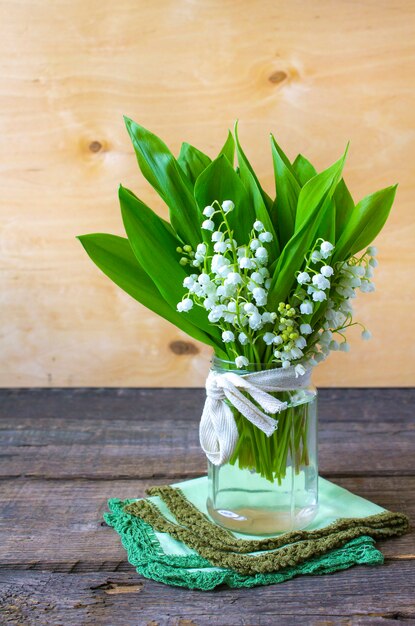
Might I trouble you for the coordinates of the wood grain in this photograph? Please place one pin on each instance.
(115, 599)
(315, 73)
(64, 452)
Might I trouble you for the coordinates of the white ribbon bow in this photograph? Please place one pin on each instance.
(218, 432)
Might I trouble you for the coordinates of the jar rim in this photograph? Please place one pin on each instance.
(225, 365)
(215, 359)
(228, 365)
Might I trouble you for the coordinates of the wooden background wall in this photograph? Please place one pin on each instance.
(315, 73)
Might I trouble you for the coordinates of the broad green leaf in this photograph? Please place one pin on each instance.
(155, 249)
(257, 195)
(303, 169)
(220, 182)
(317, 189)
(292, 256)
(228, 148)
(344, 206)
(192, 161)
(327, 228)
(273, 214)
(242, 157)
(284, 157)
(288, 190)
(163, 172)
(365, 222)
(114, 257)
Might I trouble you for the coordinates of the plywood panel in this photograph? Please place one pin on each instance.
(315, 73)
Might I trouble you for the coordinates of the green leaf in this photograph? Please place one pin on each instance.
(192, 161)
(292, 256)
(220, 182)
(288, 190)
(257, 196)
(344, 206)
(114, 257)
(273, 214)
(247, 166)
(163, 172)
(304, 169)
(365, 222)
(327, 228)
(155, 249)
(283, 157)
(317, 189)
(228, 148)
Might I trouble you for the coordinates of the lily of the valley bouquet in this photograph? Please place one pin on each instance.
(267, 282)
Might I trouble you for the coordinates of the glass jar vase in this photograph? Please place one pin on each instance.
(270, 484)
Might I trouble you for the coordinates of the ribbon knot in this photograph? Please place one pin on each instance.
(214, 389)
(218, 432)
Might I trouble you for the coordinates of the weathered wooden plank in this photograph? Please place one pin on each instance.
(363, 405)
(147, 433)
(120, 599)
(105, 403)
(57, 524)
(170, 430)
(108, 461)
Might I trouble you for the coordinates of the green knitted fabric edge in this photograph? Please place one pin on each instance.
(386, 524)
(289, 555)
(194, 572)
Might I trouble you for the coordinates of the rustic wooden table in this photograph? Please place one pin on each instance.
(65, 451)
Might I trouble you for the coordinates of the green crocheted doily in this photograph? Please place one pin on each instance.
(250, 556)
(169, 540)
(194, 572)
